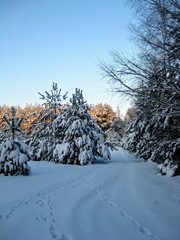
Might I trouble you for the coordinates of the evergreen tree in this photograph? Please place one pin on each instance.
(42, 140)
(14, 153)
(82, 138)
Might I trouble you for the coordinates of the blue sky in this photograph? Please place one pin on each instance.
(46, 41)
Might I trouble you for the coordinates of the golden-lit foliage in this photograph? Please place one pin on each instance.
(29, 114)
(103, 114)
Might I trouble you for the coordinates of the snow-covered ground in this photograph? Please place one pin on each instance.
(123, 199)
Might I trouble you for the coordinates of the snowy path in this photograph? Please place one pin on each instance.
(123, 199)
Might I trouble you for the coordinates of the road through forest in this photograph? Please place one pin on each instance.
(117, 200)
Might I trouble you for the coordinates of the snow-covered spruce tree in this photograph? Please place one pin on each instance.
(14, 153)
(82, 138)
(42, 141)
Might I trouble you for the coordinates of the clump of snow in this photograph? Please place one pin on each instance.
(85, 157)
(60, 151)
(168, 168)
(105, 152)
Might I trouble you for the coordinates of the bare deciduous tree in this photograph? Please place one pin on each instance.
(152, 79)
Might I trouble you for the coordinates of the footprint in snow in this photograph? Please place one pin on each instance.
(41, 218)
(37, 218)
(53, 232)
(40, 203)
(64, 237)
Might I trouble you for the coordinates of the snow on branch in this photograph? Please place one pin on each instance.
(54, 98)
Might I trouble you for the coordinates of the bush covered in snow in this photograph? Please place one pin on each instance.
(82, 138)
(13, 158)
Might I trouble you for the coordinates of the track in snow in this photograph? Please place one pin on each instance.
(98, 201)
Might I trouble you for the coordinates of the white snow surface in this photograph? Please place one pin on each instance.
(122, 199)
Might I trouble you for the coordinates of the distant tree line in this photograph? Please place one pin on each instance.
(102, 113)
(29, 114)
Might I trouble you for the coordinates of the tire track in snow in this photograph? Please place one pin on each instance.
(121, 211)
